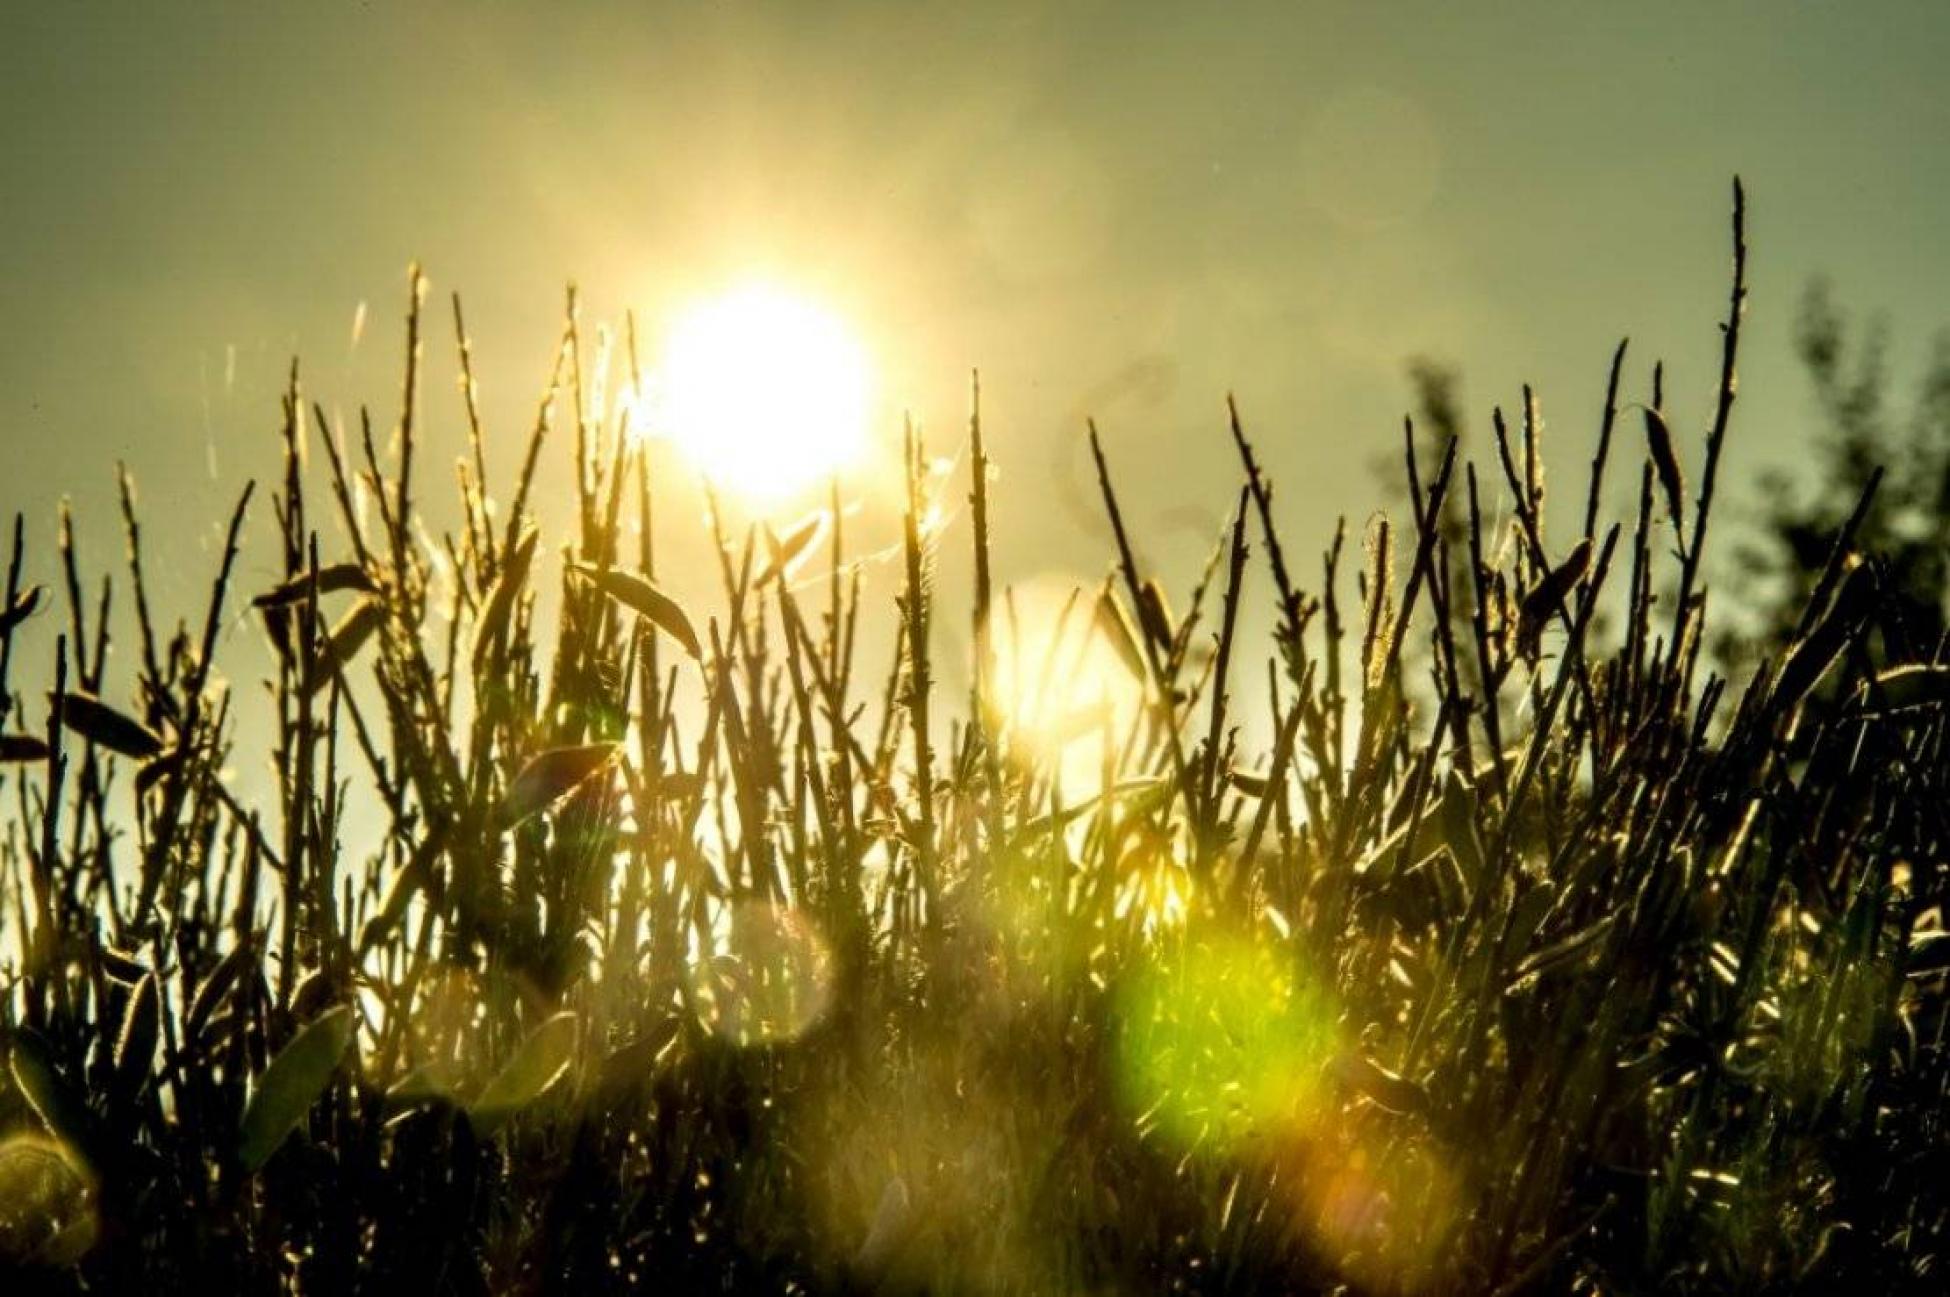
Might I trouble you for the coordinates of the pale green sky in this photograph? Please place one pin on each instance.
(1121, 207)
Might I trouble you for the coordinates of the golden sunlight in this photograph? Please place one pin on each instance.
(765, 392)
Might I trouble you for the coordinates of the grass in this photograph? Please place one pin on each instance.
(1532, 955)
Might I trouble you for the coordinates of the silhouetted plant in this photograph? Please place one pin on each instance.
(687, 959)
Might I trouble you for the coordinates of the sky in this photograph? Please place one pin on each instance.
(1124, 210)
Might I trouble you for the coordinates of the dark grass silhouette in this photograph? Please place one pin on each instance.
(1533, 955)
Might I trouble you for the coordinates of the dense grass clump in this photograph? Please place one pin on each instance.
(1532, 956)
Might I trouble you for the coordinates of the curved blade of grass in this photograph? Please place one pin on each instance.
(638, 595)
(46, 1090)
(135, 1046)
(1913, 685)
(551, 776)
(1388, 1090)
(539, 1060)
(160, 767)
(1561, 954)
(636, 1063)
(331, 580)
(22, 747)
(786, 551)
(1665, 462)
(1154, 616)
(291, 1084)
(412, 879)
(1115, 626)
(345, 641)
(1141, 796)
(428, 1083)
(107, 727)
(1809, 659)
(1545, 601)
(211, 992)
(498, 608)
(120, 965)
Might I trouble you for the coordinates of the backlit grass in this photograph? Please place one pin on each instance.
(701, 954)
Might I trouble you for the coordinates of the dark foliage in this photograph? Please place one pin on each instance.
(1527, 955)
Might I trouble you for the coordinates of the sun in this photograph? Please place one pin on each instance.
(764, 391)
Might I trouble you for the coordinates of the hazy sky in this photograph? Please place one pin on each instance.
(1113, 207)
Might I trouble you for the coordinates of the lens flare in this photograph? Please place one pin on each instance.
(1384, 1208)
(1063, 684)
(772, 981)
(1223, 1043)
(47, 1203)
(902, 1159)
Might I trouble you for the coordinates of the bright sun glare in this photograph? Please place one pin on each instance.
(764, 391)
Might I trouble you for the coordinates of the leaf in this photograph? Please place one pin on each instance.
(345, 641)
(316, 991)
(1248, 782)
(785, 553)
(1544, 602)
(1808, 661)
(159, 767)
(628, 1068)
(536, 1064)
(427, 1083)
(1929, 952)
(291, 1084)
(46, 1090)
(1458, 815)
(1914, 685)
(551, 776)
(1154, 615)
(1425, 893)
(412, 878)
(1529, 911)
(120, 964)
(215, 987)
(331, 580)
(1115, 627)
(1560, 955)
(640, 596)
(277, 627)
(24, 606)
(22, 747)
(106, 727)
(1378, 861)
(1386, 1089)
(1143, 794)
(1662, 1066)
(135, 1046)
(1665, 462)
(498, 608)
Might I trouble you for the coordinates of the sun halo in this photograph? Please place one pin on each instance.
(764, 391)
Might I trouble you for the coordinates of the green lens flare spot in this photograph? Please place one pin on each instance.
(1223, 1041)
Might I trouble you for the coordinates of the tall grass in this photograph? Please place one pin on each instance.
(699, 954)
